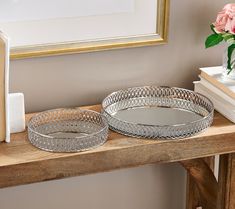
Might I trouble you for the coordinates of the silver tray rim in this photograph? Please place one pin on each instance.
(103, 110)
(61, 109)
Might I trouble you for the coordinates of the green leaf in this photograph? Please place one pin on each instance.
(230, 61)
(213, 40)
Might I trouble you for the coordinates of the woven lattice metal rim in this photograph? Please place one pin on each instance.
(68, 130)
(153, 96)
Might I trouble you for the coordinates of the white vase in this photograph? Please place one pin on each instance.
(227, 73)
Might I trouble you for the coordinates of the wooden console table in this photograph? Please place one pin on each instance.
(21, 163)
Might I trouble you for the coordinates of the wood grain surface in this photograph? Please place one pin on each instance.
(226, 195)
(205, 182)
(193, 197)
(22, 163)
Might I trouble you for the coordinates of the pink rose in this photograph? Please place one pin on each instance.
(221, 21)
(225, 21)
(230, 10)
(230, 26)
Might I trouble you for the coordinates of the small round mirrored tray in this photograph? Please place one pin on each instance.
(68, 130)
(157, 112)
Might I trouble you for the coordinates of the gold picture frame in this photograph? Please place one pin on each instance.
(80, 47)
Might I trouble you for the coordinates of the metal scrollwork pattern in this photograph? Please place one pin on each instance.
(81, 130)
(161, 97)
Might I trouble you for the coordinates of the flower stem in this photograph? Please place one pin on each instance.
(230, 62)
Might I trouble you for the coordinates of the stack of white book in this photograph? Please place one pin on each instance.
(219, 89)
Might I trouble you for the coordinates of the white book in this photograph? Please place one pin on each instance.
(224, 107)
(215, 76)
(216, 90)
(4, 89)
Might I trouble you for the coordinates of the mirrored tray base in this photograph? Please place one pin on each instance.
(158, 112)
(68, 130)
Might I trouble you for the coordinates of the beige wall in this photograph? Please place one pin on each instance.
(84, 79)
(147, 187)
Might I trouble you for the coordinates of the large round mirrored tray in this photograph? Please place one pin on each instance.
(157, 112)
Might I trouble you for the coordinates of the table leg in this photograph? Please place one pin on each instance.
(205, 181)
(226, 194)
(193, 199)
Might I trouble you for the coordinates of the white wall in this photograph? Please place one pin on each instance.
(84, 79)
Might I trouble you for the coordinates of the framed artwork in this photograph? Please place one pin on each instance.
(4, 96)
(53, 27)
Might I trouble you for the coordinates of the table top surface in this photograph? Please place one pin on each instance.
(22, 163)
